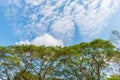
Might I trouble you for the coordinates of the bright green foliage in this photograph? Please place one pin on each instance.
(114, 77)
(84, 61)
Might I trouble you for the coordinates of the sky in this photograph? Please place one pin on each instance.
(57, 22)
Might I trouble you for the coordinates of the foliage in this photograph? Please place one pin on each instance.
(114, 77)
(22, 75)
(84, 61)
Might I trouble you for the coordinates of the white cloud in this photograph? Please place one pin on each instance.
(63, 28)
(60, 17)
(46, 39)
(91, 20)
(25, 42)
(34, 2)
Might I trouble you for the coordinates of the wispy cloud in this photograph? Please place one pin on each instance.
(60, 17)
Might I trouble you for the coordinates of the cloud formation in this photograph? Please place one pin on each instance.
(61, 17)
(46, 39)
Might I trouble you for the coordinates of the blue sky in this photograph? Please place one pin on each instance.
(113, 24)
(7, 36)
(57, 22)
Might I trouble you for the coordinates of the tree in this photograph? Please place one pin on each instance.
(87, 60)
(91, 59)
(84, 61)
(8, 63)
(115, 38)
(114, 77)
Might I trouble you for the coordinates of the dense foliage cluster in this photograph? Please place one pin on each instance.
(84, 61)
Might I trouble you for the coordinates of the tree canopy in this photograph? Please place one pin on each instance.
(84, 61)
